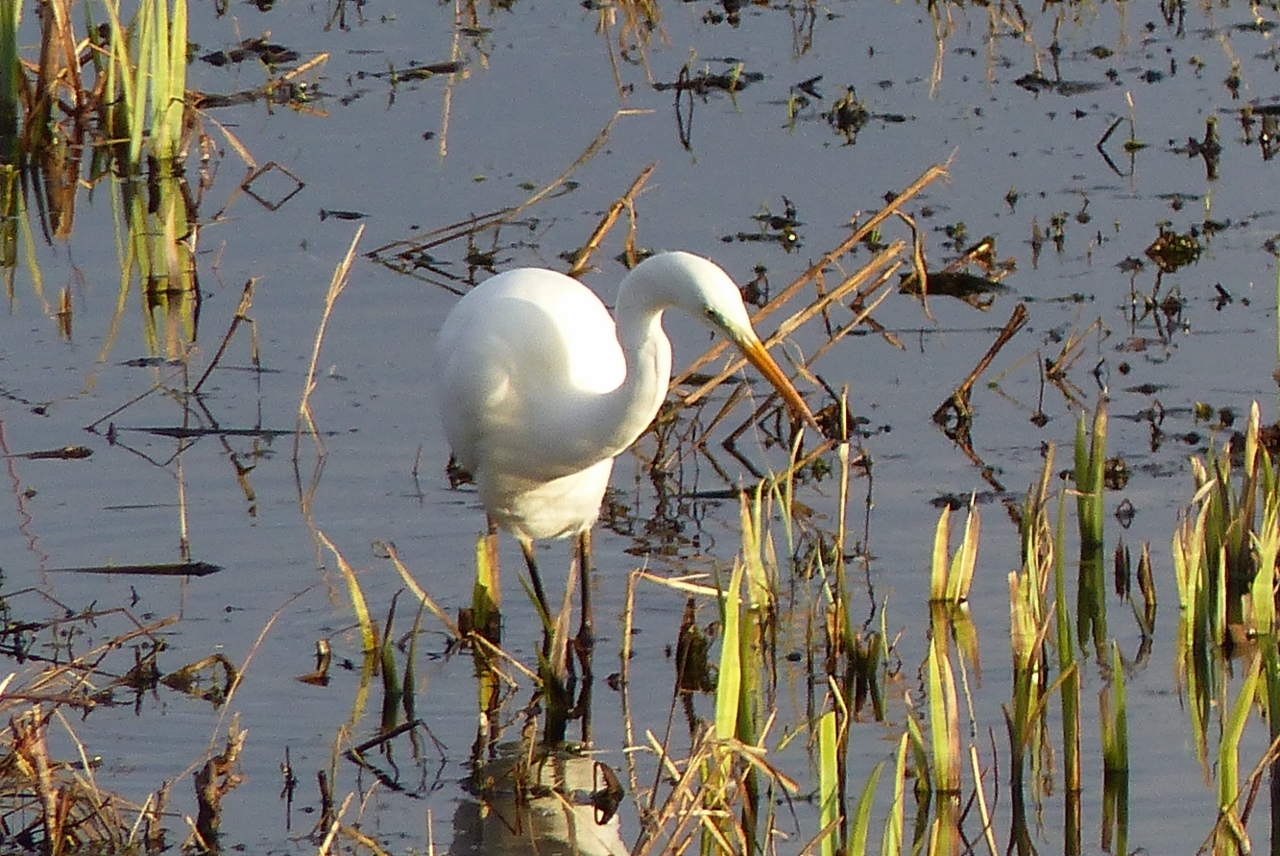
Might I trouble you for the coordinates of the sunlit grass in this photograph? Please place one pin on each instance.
(146, 76)
(1090, 465)
(10, 75)
(951, 576)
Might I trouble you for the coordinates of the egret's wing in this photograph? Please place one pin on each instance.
(519, 357)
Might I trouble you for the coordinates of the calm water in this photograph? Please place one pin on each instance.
(537, 87)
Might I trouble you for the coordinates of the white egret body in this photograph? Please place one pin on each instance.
(540, 390)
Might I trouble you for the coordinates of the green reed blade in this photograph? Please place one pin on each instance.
(1115, 719)
(1233, 731)
(891, 842)
(862, 813)
(729, 679)
(828, 784)
(1066, 661)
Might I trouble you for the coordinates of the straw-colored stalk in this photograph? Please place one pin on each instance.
(485, 596)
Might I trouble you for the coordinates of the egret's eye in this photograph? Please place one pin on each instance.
(712, 315)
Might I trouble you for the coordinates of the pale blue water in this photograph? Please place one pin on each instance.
(537, 88)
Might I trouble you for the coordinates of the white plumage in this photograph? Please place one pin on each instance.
(540, 389)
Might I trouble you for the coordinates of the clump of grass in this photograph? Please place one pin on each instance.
(698, 811)
(1029, 626)
(1090, 467)
(1230, 497)
(145, 99)
(58, 807)
(949, 583)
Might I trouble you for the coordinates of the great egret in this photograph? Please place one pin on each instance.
(540, 389)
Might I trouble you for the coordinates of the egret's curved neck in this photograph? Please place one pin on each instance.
(627, 411)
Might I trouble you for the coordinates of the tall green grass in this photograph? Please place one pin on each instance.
(10, 75)
(1090, 466)
(145, 102)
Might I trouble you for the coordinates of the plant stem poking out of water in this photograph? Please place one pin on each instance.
(1090, 465)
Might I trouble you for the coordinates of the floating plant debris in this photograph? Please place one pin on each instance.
(705, 81)
(848, 115)
(1171, 250)
(260, 49)
(173, 569)
(1037, 83)
(326, 213)
(66, 453)
(957, 284)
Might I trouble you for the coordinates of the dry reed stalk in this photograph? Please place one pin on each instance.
(852, 283)
(626, 202)
(57, 806)
(417, 590)
(830, 258)
(336, 285)
(958, 402)
(473, 225)
(241, 316)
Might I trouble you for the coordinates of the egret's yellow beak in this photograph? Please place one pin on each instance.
(753, 349)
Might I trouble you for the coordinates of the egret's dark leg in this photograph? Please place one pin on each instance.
(585, 642)
(527, 547)
(586, 629)
(532, 563)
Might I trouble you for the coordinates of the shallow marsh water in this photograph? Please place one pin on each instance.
(537, 87)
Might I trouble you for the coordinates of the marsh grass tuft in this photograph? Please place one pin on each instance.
(1090, 466)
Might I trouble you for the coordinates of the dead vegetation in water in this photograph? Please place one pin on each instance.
(69, 669)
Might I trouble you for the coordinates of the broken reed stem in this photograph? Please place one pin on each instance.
(815, 271)
(958, 401)
(336, 286)
(246, 300)
(418, 592)
(851, 283)
(624, 202)
(474, 224)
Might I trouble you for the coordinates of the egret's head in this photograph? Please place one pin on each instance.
(699, 287)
